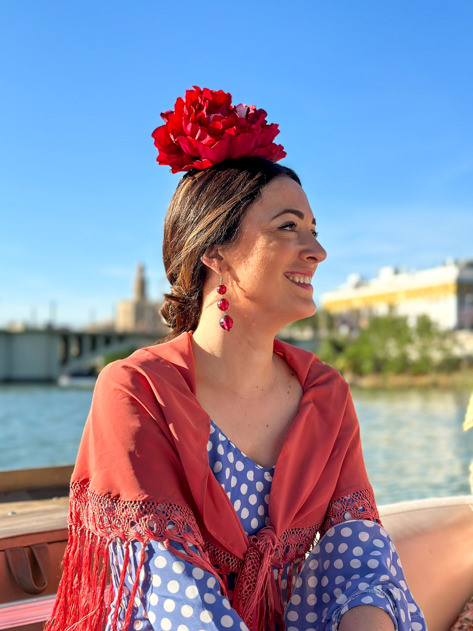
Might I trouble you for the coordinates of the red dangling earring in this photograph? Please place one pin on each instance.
(226, 321)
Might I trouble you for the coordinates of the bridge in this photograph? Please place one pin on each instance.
(46, 354)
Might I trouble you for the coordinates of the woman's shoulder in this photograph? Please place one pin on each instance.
(161, 362)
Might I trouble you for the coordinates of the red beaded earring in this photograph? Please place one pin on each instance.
(226, 321)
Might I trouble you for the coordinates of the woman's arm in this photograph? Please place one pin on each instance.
(172, 593)
(366, 618)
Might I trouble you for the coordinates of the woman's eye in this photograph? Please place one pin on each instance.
(288, 226)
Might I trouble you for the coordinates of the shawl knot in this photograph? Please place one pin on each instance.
(256, 597)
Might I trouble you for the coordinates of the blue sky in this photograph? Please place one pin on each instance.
(374, 102)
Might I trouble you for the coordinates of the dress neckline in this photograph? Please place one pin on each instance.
(242, 453)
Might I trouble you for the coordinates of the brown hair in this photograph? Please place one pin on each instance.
(206, 209)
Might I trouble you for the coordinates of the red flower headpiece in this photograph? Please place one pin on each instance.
(205, 129)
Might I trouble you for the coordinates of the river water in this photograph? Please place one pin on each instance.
(413, 441)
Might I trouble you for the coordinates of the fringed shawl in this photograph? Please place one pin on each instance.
(142, 473)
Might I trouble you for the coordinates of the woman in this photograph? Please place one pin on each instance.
(212, 464)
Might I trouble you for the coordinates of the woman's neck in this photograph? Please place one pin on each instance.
(240, 360)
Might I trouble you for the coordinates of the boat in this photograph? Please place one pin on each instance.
(434, 539)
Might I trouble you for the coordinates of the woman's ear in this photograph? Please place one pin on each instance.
(213, 259)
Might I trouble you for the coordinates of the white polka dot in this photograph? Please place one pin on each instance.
(218, 467)
(160, 562)
(339, 579)
(151, 617)
(226, 603)
(250, 475)
(156, 580)
(252, 499)
(178, 567)
(173, 587)
(254, 523)
(220, 450)
(298, 581)
(244, 513)
(187, 611)
(296, 599)
(226, 621)
(325, 597)
(206, 616)
(237, 505)
(337, 592)
(243, 627)
(138, 625)
(368, 524)
(311, 599)
(243, 489)
(324, 581)
(363, 536)
(161, 545)
(261, 510)
(166, 624)
(259, 486)
(153, 599)
(191, 591)
(268, 476)
(341, 599)
(372, 563)
(169, 605)
(230, 456)
(329, 547)
(342, 548)
(355, 563)
(338, 564)
(233, 481)
(211, 582)
(346, 532)
(362, 586)
(239, 465)
(197, 573)
(182, 627)
(403, 615)
(367, 600)
(227, 473)
(266, 499)
(209, 445)
(313, 564)
(378, 543)
(311, 617)
(312, 581)
(357, 551)
(209, 598)
(292, 616)
(416, 626)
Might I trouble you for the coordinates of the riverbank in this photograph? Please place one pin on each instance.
(461, 380)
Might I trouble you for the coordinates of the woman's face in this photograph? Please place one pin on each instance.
(269, 270)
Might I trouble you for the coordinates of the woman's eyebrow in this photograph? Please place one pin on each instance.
(293, 211)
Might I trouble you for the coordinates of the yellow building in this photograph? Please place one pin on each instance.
(139, 315)
(444, 293)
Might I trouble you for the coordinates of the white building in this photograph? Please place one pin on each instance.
(444, 293)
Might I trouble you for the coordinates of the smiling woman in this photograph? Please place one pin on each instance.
(220, 475)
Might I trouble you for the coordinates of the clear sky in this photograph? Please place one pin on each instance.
(374, 102)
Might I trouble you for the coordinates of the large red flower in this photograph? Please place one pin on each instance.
(205, 129)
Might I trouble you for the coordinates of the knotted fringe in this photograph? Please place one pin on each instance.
(84, 602)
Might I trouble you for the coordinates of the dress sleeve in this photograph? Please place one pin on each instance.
(354, 564)
(173, 595)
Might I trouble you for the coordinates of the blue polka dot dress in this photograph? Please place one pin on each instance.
(354, 564)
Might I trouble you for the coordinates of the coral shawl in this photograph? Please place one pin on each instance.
(142, 474)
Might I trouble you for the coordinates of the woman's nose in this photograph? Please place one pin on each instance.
(315, 251)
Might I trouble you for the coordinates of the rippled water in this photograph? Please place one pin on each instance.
(413, 442)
